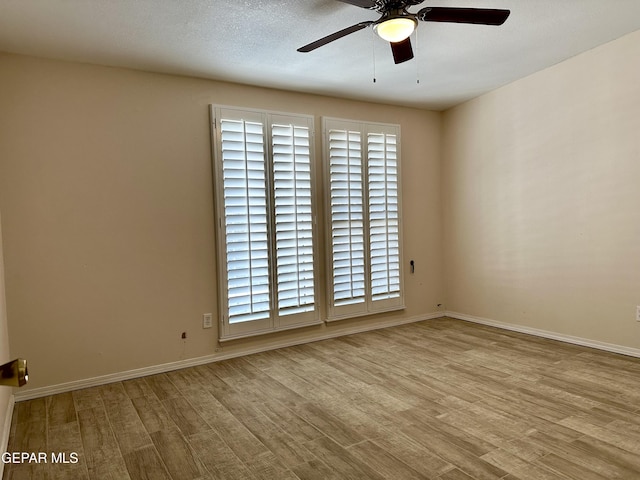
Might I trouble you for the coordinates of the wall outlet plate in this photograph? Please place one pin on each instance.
(207, 320)
(637, 313)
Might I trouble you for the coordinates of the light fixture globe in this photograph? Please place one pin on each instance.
(396, 29)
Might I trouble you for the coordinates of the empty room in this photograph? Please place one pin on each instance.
(320, 239)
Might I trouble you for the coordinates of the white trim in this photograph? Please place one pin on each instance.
(191, 362)
(585, 342)
(6, 431)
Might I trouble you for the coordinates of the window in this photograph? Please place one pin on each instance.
(263, 184)
(266, 221)
(363, 211)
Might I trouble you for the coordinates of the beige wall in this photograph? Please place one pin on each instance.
(541, 183)
(5, 356)
(106, 197)
(106, 194)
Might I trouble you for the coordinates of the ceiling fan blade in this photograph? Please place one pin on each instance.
(334, 36)
(370, 4)
(402, 50)
(482, 16)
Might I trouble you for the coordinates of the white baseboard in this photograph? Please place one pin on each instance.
(585, 342)
(6, 430)
(192, 362)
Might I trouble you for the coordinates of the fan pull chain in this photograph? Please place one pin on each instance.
(417, 58)
(373, 52)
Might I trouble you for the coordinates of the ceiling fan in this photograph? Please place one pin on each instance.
(397, 24)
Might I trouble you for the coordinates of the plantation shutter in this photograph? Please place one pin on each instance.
(347, 216)
(293, 217)
(362, 167)
(263, 179)
(245, 216)
(383, 216)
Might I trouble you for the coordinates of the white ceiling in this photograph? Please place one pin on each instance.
(255, 42)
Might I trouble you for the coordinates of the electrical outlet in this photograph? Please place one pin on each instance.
(207, 320)
(637, 313)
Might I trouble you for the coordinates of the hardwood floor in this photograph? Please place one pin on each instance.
(441, 399)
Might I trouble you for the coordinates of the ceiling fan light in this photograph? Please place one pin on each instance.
(396, 29)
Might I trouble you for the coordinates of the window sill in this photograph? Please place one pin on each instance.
(239, 336)
(337, 318)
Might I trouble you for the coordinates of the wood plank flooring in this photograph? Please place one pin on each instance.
(441, 399)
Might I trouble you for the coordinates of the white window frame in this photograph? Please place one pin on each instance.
(275, 321)
(368, 306)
